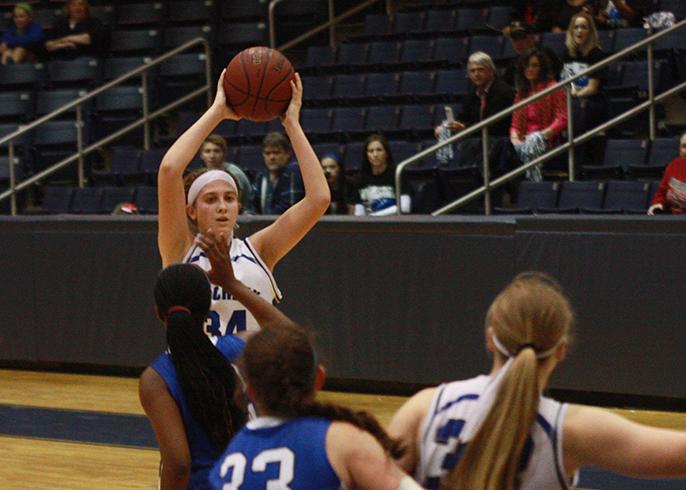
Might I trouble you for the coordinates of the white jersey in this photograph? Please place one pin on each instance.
(455, 404)
(228, 316)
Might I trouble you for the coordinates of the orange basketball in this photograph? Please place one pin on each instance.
(257, 83)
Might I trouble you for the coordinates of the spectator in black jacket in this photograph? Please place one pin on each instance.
(281, 186)
(490, 96)
(78, 34)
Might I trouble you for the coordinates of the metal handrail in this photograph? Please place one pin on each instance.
(331, 24)
(565, 84)
(81, 152)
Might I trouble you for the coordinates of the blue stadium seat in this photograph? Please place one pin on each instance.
(183, 65)
(381, 87)
(250, 157)
(440, 21)
(23, 76)
(405, 23)
(46, 17)
(237, 35)
(627, 37)
(627, 197)
(455, 182)
(382, 119)
(677, 7)
(402, 150)
(125, 164)
(119, 100)
(318, 88)
(499, 16)
(195, 11)
(416, 121)
(423, 187)
(174, 37)
(352, 55)
(451, 51)
(532, 196)
(452, 84)
(16, 106)
(606, 38)
(383, 54)
(116, 67)
(578, 196)
(80, 72)
(377, 26)
(491, 45)
(554, 41)
(316, 121)
(415, 53)
(231, 11)
(347, 122)
(322, 149)
(141, 42)
(87, 200)
(146, 199)
(150, 163)
(251, 130)
(352, 157)
(48, 101)
(320, 58)
(5, 170)
(347, 87)
(112, 196)
(57, 199)
(470, 19)
(620, 154)
(139, 14)
(417, 85)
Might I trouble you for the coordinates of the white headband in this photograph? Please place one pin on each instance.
(206, 178)
(539, 355)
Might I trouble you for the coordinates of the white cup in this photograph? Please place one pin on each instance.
(359, 210)
(405, 204)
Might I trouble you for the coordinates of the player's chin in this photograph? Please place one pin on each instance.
(223, 225)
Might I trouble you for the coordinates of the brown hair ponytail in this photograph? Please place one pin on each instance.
(280, 366)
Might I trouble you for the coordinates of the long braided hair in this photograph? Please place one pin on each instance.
(280, 365)
(208, 379)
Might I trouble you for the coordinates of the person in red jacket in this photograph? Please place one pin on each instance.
(671, 194)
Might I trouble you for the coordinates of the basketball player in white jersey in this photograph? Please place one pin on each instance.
(210, 199)
(496, 431)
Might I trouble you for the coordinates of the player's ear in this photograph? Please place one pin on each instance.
(157, 313)
(191, 213)
(490, 345)
(319, 377)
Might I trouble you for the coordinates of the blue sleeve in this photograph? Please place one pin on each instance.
(231, 347)
(33, 36)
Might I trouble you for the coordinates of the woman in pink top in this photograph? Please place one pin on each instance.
(537, 126)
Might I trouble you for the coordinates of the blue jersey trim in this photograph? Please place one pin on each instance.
(469, 396)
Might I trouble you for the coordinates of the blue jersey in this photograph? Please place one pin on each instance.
(203, 454)
(272, 453)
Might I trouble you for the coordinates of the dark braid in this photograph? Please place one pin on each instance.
(207, 378)
(280, 365)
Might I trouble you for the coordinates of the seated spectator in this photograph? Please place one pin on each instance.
(568, 9)
(490, 96)
(619, 13)
(78, 34)
(213, 154)
(335, 177)
(522, 38)
(22, 41)
(671, 194)
(374, 190)
(539, 14)
(537, 126)
(282, 185)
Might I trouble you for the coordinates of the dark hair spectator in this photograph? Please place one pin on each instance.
(335, 177)
(78, 34)
(568, 9)
(539, 14)
(374, 188)
(671, 194)
(22, 41)
(536, 126)
(522, 38)
(281, 185)
(619, 13)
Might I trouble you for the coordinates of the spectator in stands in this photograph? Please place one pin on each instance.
(619, 13)
(539, 14)
(23, 40)
(125, 209)
(537, 126)
(213, 154)
(335, 177)
(78, 34)
(374, 188)
(671, 194)
(568, 9)
(522, 39)
(282, 186)
(583, 51)
(491, 95)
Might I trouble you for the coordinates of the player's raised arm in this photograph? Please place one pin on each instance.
(174, 236)
(276, 240)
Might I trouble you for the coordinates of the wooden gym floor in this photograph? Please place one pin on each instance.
(35, 462)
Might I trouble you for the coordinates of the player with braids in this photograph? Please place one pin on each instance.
(316, 445)
(192, 393)
(499, 432)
